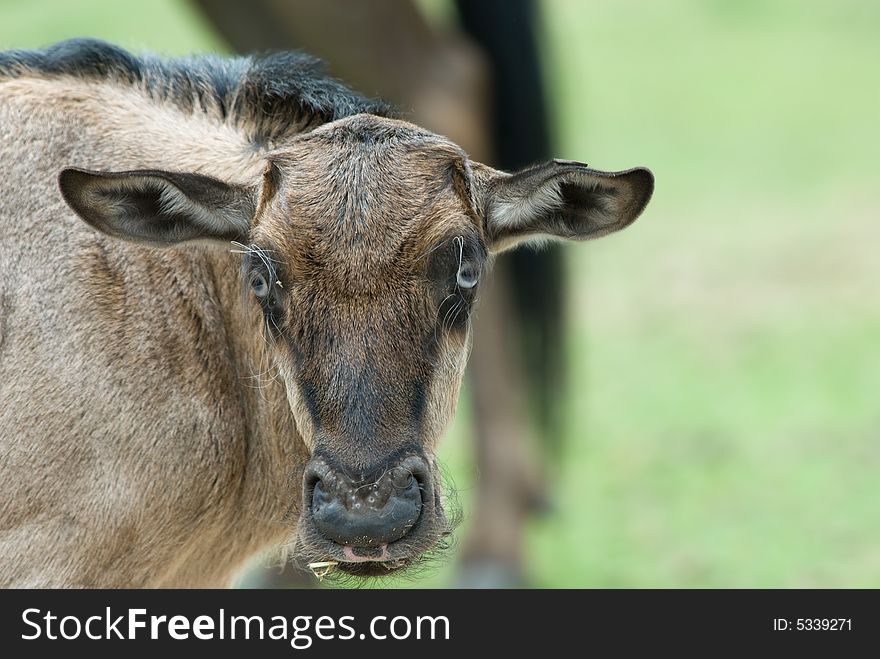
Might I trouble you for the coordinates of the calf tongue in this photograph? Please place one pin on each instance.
(364, 554)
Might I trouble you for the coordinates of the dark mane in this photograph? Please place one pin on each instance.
(267, 96)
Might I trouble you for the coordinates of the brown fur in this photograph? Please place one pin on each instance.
(155, 424)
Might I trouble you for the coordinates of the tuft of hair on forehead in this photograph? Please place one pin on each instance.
(268, 97)
(369, 156)
(390, 141)
(371, 129)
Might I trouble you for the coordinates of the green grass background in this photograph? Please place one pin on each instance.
(724, 413)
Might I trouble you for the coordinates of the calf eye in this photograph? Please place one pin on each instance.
(259, 285)
(468, 276)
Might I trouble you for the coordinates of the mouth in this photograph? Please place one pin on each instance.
(380, 560)
(370, 561)
(360, 562)
(366, 554)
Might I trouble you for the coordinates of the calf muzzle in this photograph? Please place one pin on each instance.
(368, 514)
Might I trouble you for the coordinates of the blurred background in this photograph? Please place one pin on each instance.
(721, 423)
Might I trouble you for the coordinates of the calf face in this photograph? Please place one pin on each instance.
(364, 246)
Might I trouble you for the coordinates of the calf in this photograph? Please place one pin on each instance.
(169, 409)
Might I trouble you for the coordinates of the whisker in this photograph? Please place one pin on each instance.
(458, 311)
(434, 249)
(453, 309)
(439, 307)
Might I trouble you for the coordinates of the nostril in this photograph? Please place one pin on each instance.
(314, 474)
(416, 475)
(401, 478)
(321, 496)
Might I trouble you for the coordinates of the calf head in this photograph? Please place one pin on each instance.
(364, 246)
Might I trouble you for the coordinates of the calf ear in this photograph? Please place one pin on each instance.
(159, 208)
(563, 199)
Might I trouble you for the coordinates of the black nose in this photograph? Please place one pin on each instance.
(367, 514)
